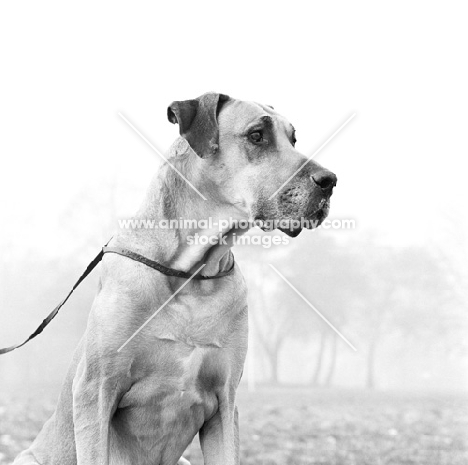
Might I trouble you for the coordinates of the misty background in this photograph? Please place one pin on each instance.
(395, 285)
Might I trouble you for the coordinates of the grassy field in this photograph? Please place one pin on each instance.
(286, 426)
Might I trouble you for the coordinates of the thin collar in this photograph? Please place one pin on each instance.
(161, 268)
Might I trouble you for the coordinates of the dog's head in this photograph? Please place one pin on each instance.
(250, 161)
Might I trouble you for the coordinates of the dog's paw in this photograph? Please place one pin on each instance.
(183, 461)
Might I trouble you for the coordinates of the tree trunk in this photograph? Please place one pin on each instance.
(333, 357)
(274, 365)
(273, 355)
(271, 349)
(318, 363)
(370, 381)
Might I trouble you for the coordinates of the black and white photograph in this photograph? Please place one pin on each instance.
(233, 233)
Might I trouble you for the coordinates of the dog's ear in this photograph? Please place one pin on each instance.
(198, 121)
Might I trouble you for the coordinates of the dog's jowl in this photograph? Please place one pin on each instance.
(164, 348)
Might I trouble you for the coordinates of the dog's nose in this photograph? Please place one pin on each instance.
(325, 179)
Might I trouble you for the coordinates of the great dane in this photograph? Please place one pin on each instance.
(143, 403)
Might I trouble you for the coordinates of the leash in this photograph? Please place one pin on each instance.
(120, 251)
(54, 312)
(161, 268)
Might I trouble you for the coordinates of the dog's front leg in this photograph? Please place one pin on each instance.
(219, 438)
(97, 388)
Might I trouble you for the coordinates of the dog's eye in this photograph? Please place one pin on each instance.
(256, 137)
(293, 140)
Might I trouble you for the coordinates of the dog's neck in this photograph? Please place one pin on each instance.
(180, 244)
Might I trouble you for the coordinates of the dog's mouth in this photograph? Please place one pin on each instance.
(317, 217)
(310, 220)
(291, 217)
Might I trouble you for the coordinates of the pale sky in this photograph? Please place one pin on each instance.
(67, 70)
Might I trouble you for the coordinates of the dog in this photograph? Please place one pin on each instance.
(162, 355)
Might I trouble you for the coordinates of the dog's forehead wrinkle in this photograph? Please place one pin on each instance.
(238, 115)
(268, 108)
(264, 120)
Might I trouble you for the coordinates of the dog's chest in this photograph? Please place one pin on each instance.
(176, 394)
(209, 315)
(188, 356)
